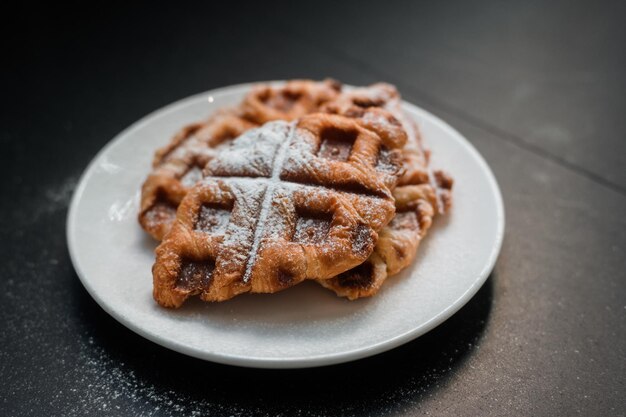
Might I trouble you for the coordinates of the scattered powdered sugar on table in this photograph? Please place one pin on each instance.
(103, 384)
(106, 385)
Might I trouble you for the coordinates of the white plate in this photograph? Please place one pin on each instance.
(306, 325)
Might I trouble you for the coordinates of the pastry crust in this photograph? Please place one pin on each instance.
(178, 165)
(398, 169)
(289, 102)
(283, 203)
(421, 194)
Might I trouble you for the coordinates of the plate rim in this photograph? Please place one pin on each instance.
(294, 362)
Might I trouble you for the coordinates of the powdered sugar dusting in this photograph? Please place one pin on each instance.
(269, 193)
(300, 154)
(252, 154)
(247, 203)
(191, 177)
(252, 169)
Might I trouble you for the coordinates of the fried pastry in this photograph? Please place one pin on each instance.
(282, 203)
(420, 195)
(178, 165)
(294, 99)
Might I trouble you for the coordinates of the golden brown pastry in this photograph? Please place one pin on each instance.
(294, 99)
(420, 195)
(282, 203)
(178, 165)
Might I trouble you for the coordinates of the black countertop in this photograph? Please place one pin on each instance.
(539, 89)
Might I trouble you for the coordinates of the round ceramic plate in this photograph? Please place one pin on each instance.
(306, 325)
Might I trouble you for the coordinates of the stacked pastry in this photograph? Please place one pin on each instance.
(300, 181)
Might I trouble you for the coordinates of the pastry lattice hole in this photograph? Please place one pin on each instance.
(405, 221)
(284, 278)
(195, 276)
(312, 228)
(336, 144)
(282, 101)
(365, 102)
(226, 133)
(361, 276)
(162, 212)
(213, 219)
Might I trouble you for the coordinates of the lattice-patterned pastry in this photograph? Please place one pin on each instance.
(283, 203)
(178, 166)
(420, 195)
(294, 99)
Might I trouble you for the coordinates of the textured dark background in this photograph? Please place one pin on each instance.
(538, 87)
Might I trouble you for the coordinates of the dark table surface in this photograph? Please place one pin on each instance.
(538, 87)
